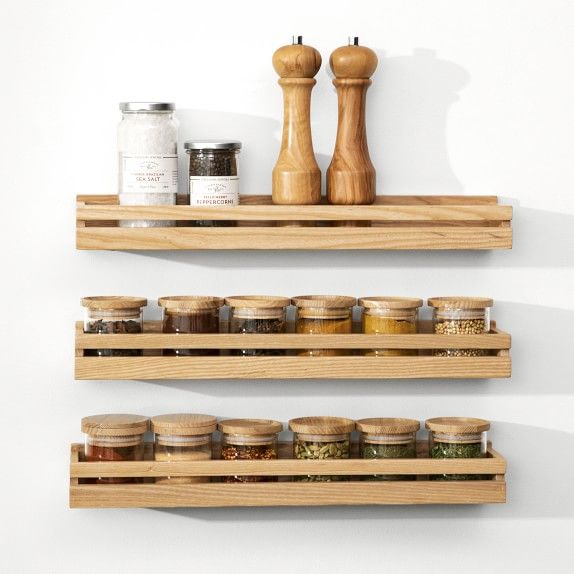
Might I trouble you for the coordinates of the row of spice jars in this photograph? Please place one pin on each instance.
(188, 437)
(316, 314)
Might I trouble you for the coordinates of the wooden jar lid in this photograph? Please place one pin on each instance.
(384, 426)
(115, 425)
(105, 302)
(257, 301)
(250, 426)
(460, 302)
(390, 303)
(324, 301)
(457, 425)
(190, 302)
(322, 425)
(183, 424)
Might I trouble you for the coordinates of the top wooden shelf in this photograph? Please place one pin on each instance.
(392, 222)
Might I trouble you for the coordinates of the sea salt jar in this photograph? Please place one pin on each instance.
(147, 150)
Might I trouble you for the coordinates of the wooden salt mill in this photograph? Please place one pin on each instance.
(351, 177)
(296, 175)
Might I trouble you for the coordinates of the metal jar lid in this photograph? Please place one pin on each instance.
(212, 144)
(147, 106)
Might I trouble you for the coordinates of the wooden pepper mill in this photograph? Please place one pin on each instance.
(296, 175)
(351, 177)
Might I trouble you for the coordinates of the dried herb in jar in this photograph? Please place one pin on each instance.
(457, 450)
(377, 451)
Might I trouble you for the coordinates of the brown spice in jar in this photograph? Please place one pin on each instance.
(248, 452)
(205, 321)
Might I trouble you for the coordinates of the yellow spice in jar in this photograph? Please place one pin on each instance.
(163, 456)
(324, 326)
(377, 325)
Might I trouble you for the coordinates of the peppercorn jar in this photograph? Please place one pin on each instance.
(457, 437)
(324, 315)
(389, 316)
(183, 438)
(321, 438)
(109, 315)
(147, 150)
(114, 438)
(460, 316)
(213, 176)
(249, 439)
(388, 438)
(189, 315)
(257, 314)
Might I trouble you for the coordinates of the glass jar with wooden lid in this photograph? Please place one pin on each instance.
(460, 316)
(388, 438)
(389, 316)
(457, 437)
(324, 315)
(114, 438)
(188, 315)
(321, 438)
(249, 439)
(183, 437)
(109, 315)
(257, 314)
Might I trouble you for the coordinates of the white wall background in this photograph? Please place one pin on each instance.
(470, 98)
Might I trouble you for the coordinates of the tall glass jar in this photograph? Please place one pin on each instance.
(389, 316)
(183, 437)
(257, 314)
(109, 315)
(457, 437)
(147, 149)
(461, 316)
(321, 438)
(213, 175)
(249, 439)
(187, 315)
(324, 315)
(388, 438)
(114, 438)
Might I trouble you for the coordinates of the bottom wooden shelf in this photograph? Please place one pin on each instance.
(286, 492)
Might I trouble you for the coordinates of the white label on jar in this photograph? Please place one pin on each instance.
(149, 173)
(214, 191)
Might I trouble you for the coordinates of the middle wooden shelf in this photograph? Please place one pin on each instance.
(148, 361)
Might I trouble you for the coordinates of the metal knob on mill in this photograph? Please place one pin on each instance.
(351, 177)
(296, 175)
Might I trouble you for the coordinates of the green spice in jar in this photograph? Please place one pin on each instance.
(457, 437)
(388, 438)
(321, 438)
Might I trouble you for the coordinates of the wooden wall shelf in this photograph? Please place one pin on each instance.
(151, 365)
(284, 492)
(393, 222)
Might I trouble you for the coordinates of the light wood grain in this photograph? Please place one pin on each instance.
(153, 338)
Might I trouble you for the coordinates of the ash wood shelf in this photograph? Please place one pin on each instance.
(393, 222)
(151, 365)
(284, 492)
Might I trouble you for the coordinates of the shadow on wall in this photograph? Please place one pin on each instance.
(539, 483)
(535, 346)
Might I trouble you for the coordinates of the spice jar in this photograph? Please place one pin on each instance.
(457, 437)
(114, 438)
(190, 314)
(213, 175)
(249, 439)
(183, 437)
(109, 315)
(323, 315)
(389, 316)
(257, 314)
(319, 438)
(461, 316)
(147, 148)
(388, 438)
